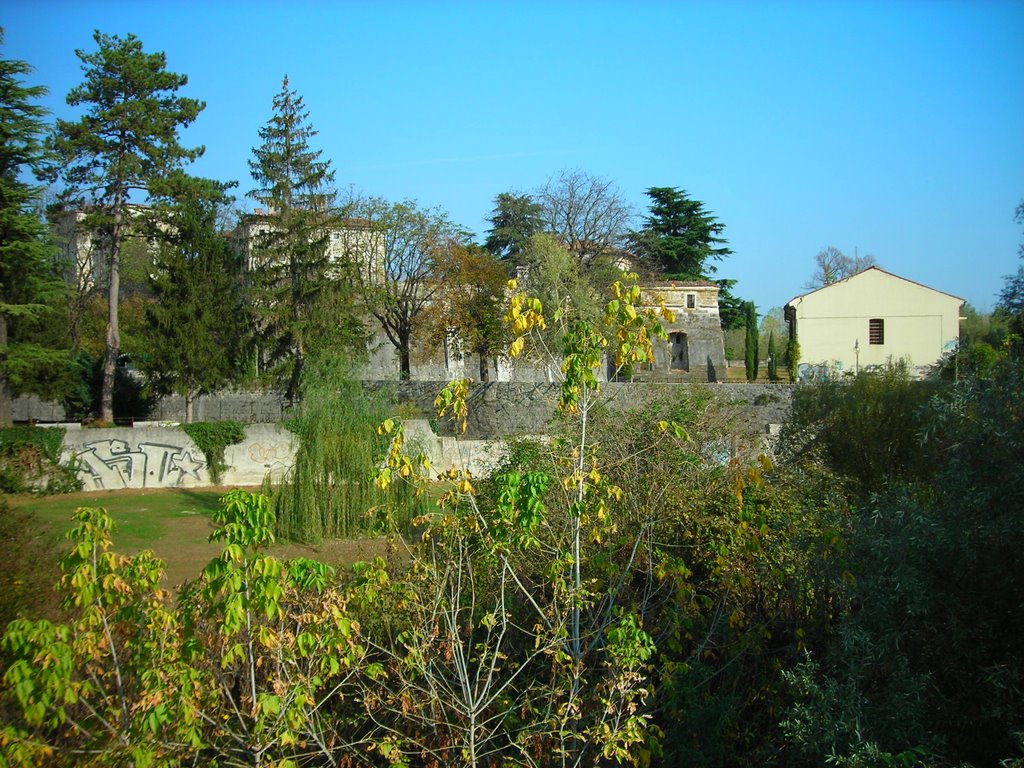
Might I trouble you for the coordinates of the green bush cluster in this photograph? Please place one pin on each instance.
(649, 587)
(924, 660)
(30, 461)
(212, 438)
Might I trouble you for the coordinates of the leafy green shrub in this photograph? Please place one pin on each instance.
(212, 438)
(865, 428)
(30, 461)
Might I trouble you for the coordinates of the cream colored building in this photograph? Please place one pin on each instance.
(347, 239)
(870, 319)
(85, 252)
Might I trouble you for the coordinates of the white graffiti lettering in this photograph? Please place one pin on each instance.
(113, 464)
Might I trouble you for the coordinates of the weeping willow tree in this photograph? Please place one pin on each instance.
(329, 489)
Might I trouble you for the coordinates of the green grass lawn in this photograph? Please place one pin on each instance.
(142, 517)
(176, 525)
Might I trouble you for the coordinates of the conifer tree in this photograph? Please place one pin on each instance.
(296, 284)
(194, 327)
(28, 283)
(515, 218)
(681, 239)
(126, 142)
(751, 356)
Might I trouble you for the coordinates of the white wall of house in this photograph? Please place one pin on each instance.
(872, 318)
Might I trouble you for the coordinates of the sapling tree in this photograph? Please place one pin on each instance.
(493, 654)
(239, 670)
(269, 643)
(107, 681)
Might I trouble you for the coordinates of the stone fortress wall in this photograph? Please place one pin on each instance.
(158, 454)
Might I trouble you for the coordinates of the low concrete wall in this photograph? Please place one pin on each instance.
(122, 457)
(268, 449)
(165, 457)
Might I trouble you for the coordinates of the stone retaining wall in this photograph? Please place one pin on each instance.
(160, 455)
(501, 409)
(496, 409)
(165, 457)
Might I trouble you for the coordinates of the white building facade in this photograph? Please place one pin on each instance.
(871, 319)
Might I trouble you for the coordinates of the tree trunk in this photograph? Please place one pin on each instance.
(404, 357)
(189, 401)
(5, 389)
(483, 365)
(113, 343)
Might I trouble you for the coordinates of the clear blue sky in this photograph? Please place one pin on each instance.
(889, 128)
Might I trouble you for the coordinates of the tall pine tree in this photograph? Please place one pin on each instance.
(681, 240)
(299, 291)
(195, 325)
(126, 142)
(679, 237)
(29, 285)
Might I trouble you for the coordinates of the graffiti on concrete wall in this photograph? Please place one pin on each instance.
(271, 455)
(114, 464)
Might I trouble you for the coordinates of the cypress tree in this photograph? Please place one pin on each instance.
(751, 355)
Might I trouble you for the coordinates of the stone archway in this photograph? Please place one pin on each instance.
(680, 352)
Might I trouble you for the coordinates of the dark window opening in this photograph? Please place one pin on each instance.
(680, 352)
(876, 331)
